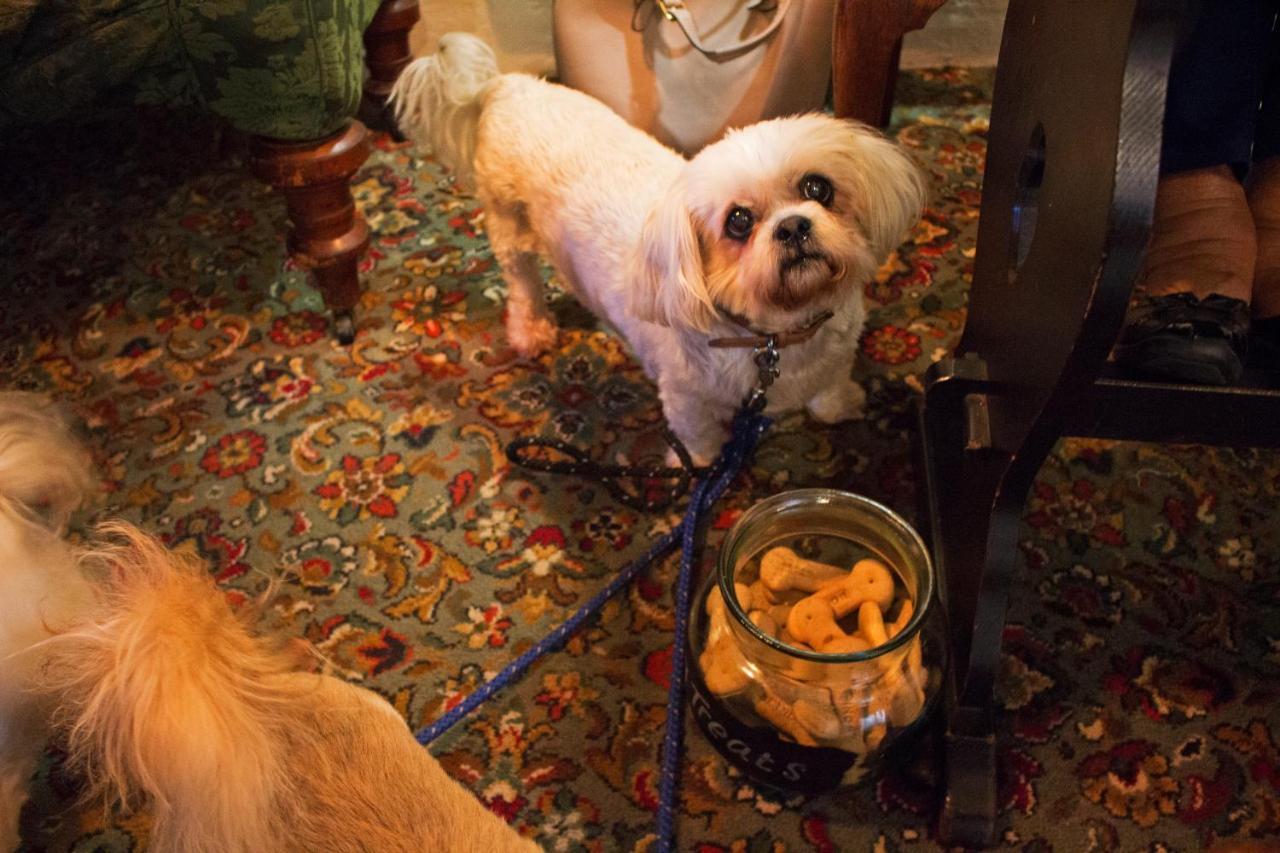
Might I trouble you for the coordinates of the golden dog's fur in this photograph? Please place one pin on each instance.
(166, 696)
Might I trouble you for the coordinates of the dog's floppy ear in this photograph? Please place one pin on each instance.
(671, 288)
(889, 185)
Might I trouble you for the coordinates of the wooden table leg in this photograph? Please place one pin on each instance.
(867, 44)
(386, 45)
(327, 234)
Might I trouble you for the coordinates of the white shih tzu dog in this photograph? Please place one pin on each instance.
(767, 229)
(129, 653)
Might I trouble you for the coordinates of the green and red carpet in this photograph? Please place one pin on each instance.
(143, 284)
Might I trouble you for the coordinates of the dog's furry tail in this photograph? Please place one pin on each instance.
(43, 468)
(437, 99)
(166, 695)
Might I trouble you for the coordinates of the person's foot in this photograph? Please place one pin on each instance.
(1179, 337)
(1190, 320)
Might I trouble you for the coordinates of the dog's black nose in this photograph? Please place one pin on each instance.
(793, 229)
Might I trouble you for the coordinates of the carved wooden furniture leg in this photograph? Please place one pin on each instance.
(1066, 209)
(386, 46)
(864, 62)
(327, 234)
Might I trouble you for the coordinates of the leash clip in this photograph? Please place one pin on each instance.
(766, 357)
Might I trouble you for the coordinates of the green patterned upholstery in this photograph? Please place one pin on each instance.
(291, 69)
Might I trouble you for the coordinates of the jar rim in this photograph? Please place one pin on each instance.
(725, 572)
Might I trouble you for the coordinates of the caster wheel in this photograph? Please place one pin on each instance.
(344, 327)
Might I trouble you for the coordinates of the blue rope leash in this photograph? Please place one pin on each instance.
(748, 426)
(747, 431)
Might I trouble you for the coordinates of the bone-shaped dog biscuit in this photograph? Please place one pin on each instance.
(762, 595)
(905, 613)
(782, 569)
(870, 580)
(762, 620)
(783, 716)
(715, 605)
(871, 624)
(779, 613)
(906, 703)
(801, 669)
(849, 672)
(848, 705)
(846, 645)
(723, 667)
(813, 621)
(717, 621)
(852, 704)
(819, 718)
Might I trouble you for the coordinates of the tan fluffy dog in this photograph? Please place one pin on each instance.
(165, 695)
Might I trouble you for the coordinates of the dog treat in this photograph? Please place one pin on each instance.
(819, 718)
(799, 668)
(714, 605)
(783, 717)
(870, 580)
(813, 621)
(871, 624)
(906, 703)
(808, 671)
(723, 667)
(717, 619)
(782, 569)
(915, 661)
(762, 620)
(845, 674)
(852, 740)
(850, 644)
(779, 613)
(905, 613)
(812, 606)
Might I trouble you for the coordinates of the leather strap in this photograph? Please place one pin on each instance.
(758, 338)
(677, 12)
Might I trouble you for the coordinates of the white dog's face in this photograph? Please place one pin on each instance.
(776, 222)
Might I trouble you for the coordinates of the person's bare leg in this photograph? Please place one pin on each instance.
(1192, 322)
(1202, 240)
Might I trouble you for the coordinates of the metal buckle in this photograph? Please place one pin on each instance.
(665, 7)
(766, 358)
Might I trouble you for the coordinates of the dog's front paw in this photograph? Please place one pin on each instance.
(843, 401)
(531, 336)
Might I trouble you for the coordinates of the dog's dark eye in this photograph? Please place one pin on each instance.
(816, 188)
(739, 224)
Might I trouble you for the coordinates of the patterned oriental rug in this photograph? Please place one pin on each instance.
(143, 286)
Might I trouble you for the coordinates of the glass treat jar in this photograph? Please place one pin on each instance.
(816, 644)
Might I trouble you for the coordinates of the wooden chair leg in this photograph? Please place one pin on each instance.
(386, 46)
(1063, 228)
(327, 234)
(864, 61)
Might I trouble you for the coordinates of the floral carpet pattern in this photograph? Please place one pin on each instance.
(144, 285)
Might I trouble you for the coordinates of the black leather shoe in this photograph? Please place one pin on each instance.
(1179, 337)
